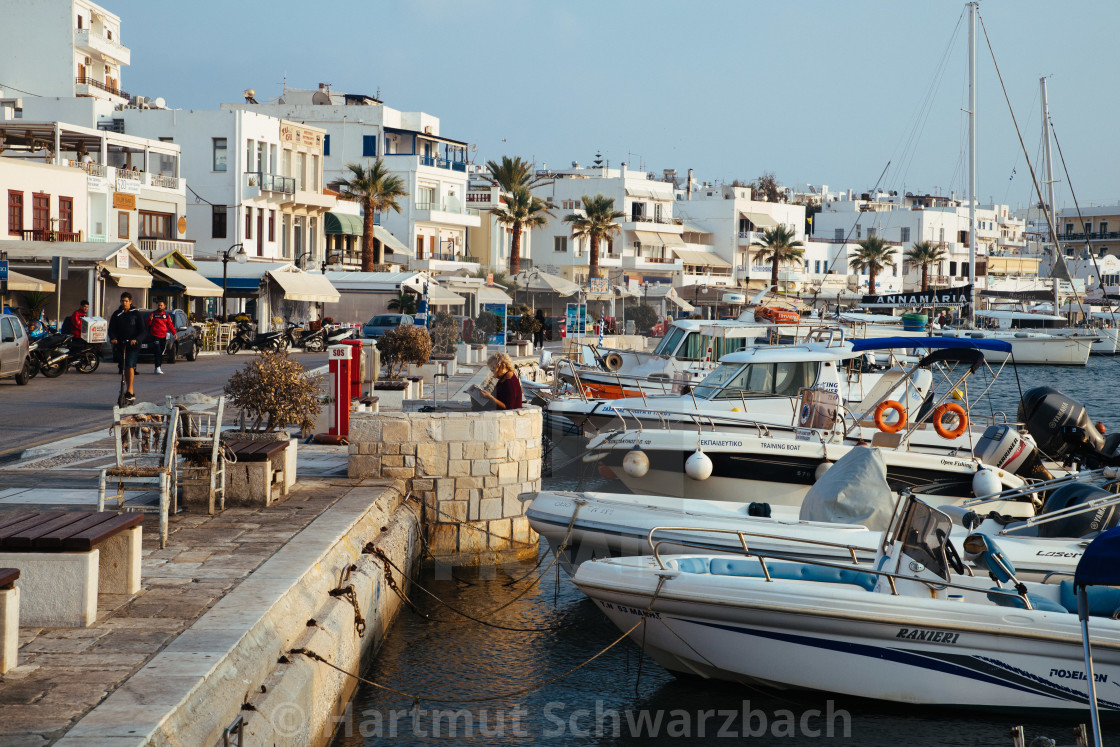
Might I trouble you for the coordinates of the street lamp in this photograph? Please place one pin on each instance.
(299, 259)
(240, 258)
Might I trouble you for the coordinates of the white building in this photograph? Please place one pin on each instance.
(63, 48)
(255, 180)
(435, 216)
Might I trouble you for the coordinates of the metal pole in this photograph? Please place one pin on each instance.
(1083, 614)
(225, 293)
(972, 153)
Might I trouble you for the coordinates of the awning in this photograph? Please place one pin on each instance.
(488, 294)
(649, 238)
(350, 225)
(649, 192)
(683, 304)
(192, 283)
(671, 240)
(440, 296)
(305, 286)
(762, 220)
(389, 240)
(130, 277)
(20, 282)
(706, 259)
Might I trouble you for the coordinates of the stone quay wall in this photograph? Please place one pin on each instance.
(467, 468)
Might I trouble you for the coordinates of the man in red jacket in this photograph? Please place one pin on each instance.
(162, 329)
(76, 318)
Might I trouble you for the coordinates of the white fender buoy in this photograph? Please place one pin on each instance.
(986, 482)
(635, 463)
(698, 466)
(821, 469)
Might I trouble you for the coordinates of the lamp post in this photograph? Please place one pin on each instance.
(299, 260)
(240, 258)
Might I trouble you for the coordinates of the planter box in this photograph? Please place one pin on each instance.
(262, 483)
(428, 371)
(463, 353)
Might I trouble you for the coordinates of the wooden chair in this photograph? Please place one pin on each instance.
(145, 439)
(200, 462)
(225, 334)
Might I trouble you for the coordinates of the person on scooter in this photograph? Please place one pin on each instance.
(126, 327)
(162, 329)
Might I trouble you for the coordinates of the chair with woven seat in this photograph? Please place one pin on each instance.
(145, 437)
(200, 463)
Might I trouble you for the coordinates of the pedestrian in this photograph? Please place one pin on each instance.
(162, 330)
(507, 392)
(125, 330)
(538, 335)
(75, 320)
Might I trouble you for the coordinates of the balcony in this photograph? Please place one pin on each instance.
(94, 41)
(257, 182)
(85, 80)
(653, 219)
(659, 264)
(444, 263)
(155, 248)
(93, 169)
(166, 182)
(46, 234)
(750, 237)
(450, 214)
(432, 162)
(1095, 236)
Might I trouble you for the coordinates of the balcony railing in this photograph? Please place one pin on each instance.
(437, 163)
(97, 41)
(446, 208)
(167, 182)
(155, 248)
(123, 173)
(654, 219)
(1095, 236)
(85, 80)
(45, 234)
(93, 169)
(271, 182)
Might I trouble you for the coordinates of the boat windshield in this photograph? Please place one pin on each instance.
(923, 533)
(669, 342)
(735, 381)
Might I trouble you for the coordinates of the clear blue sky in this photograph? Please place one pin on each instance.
(816, 91)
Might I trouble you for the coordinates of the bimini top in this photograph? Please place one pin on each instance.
(932, 343)
(1100, 565)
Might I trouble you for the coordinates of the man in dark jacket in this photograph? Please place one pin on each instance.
(162, 330)
(126, 327)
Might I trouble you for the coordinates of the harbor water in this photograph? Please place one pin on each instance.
(516, 666)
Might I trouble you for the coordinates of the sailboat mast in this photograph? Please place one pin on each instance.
(972, 146)
(1055, 251)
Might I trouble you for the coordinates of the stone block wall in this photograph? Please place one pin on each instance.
(467, 468)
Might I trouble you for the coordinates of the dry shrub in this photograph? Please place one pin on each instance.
(276, 391)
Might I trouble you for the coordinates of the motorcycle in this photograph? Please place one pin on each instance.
(310, 340)
(246, 338)
(334, 335)
(82, 356)
(49, 355)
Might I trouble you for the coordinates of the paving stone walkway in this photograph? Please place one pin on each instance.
(64, 672)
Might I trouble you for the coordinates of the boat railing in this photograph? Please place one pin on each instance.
(890, 576)
(1038, 486)
(1103, 501)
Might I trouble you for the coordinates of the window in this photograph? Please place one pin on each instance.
(297, 242)
(314, 178)
(248, 155)
(9, 333)
(154, 225)
(904, 234)
(1069, 229)
(1103, 228)
(272, 225)
(425, 197)
(284, 233)
(326, 145)
(301, 171)
(79, 21)
(817, 267)
(41, 212)
(248, 223)
(15, 213)
(369, 146)
(871, 231)
(122, 225)
(218, 221)
(838, 234)
(219, 148)
(66, 214)
(859, 231)
(262, 156)
(312, 227)
(953, 269)
(559, 243)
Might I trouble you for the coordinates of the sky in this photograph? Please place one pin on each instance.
(816, 91)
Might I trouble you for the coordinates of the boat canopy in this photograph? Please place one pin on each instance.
(1100, 565)
(932, 343)
(973, 358)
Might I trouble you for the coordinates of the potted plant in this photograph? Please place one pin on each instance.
(408, 344)
(273, 392)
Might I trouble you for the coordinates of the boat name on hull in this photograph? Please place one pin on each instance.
(930, 636)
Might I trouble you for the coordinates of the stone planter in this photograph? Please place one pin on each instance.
(463, 353)
(450, 365)
(261, 483)
(478, 353)
(391, 394)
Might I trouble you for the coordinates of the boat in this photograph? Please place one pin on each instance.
(911, 627)
(1035, 348)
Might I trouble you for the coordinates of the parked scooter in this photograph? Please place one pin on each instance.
(334, 334)
(247, 338)
(311, 340)
(49, 355)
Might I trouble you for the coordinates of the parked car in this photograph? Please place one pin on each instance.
(14, 340)
(382, 323)
(188, 338)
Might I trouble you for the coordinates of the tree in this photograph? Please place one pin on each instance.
(514, 172)
(766, 188)
(778, 246)
(409, 343)
(643, 315)
(873, 255)
(923, 254)
(596, 223)
(522, 211)
(405, 303)
(276, 391)
(377, 190)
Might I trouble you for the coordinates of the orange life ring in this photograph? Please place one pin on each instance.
(939, 415)
(881, 410)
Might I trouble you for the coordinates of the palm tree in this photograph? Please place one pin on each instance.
(405, 303)
(522, 211)
(596, 223)
(778, 245)
(923, 254)
(514, 172)
(873, 255)
(377, 190)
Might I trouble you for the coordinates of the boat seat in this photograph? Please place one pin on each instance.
(692, 565)
(1104, 601)
(793, 571)
(1014, 600)
(992, 559)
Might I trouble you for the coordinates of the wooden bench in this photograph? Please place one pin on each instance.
(260, 472)
(9, 619)
(66, 558)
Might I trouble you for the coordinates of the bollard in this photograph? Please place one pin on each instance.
(338, 366)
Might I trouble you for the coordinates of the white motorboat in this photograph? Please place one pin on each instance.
(912, 627)
(1034, 348)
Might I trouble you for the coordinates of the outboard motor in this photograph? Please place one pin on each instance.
(1004, 447)
(1062, 428)
(1085, 524)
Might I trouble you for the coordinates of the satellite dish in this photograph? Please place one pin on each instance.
(250, 93)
